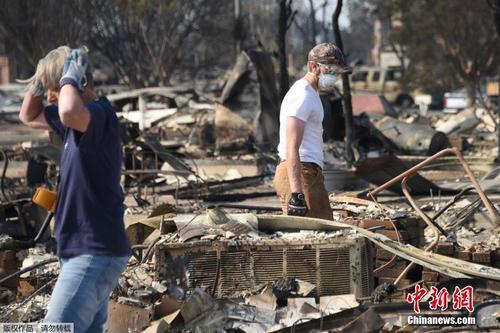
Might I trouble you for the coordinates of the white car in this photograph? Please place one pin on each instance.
(456, 101)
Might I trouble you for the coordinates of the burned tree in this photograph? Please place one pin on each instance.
(30, 29)
(309, 27)
(496, 15)
(286, 18)
(146, 41)
(346, 98)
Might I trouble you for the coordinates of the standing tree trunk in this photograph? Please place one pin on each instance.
(470, 88)
(285, 20)
(282, 28)
(496, 12)
(238, 27)
(346, 98)
(312, 18)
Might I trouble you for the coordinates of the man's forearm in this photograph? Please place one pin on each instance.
(294, 134)
(31, 108)
(293, 168)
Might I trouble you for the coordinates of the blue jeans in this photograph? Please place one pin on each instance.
(82, 291)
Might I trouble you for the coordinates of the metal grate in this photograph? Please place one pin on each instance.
(268, 266)
(302, 265)
(235, 273)
(201, 269)
(366, 270)
(335, 267)
(335, 271)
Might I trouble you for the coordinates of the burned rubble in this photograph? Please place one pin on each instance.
(211, 250)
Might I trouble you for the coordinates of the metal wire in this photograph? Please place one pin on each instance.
(150, 249)
(30, 297)
(2, 180)
(394, 257)
(29, 268)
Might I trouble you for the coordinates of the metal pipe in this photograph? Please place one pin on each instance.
(27, 269)
(461, 217)
(440, 228)
(413, 170)
(484, 198)
(4, 171)
(27, 299)
(451, 202)
(426, 219)
(45, 224)
(394, 257)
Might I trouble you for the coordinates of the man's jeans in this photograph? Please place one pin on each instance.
(82, 291)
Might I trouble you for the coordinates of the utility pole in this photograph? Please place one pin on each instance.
(346, 96)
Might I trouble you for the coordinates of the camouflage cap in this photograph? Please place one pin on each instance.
(329, 54)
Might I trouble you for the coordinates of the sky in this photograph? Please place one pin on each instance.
(344, 14)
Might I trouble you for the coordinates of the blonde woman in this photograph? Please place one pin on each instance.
(91, 240)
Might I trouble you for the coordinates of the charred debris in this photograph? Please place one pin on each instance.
(211, 250)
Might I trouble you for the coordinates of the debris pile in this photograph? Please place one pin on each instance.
(28, 275)
(197, 173)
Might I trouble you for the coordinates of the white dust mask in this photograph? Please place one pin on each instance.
(327, 82)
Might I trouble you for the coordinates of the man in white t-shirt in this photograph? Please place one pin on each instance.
(299, 178)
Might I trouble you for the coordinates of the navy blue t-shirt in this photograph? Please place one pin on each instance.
(89, 210)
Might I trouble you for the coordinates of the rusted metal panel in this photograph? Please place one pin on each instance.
(235, 272)
(230, 268)
(202, 270)
(8, 265)
(335, 270)
(271, 266)
(127, 318)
